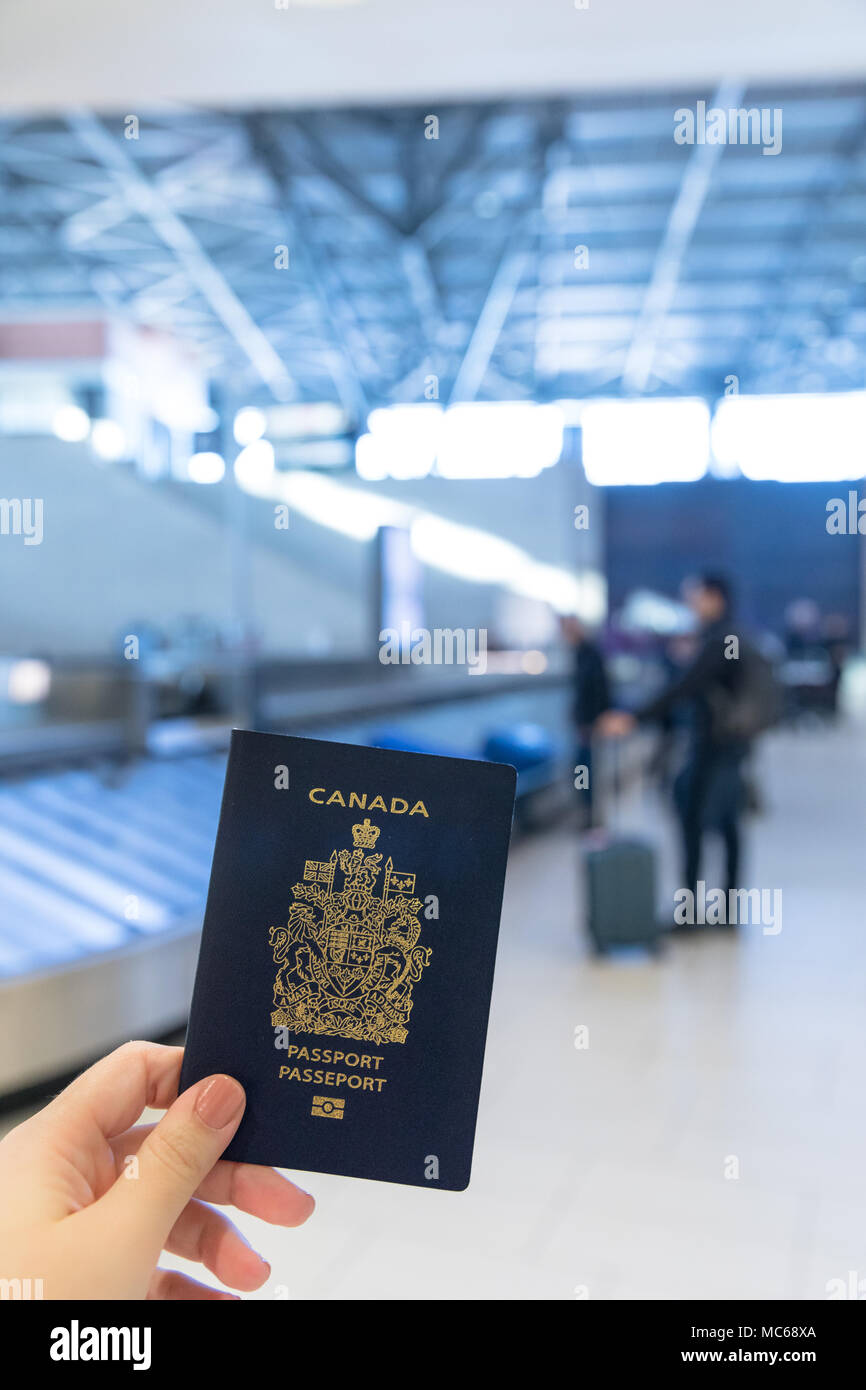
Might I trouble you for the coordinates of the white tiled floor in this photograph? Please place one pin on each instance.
(604, 1169)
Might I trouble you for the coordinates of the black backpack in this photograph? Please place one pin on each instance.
(752, 706)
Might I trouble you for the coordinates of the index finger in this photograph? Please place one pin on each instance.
(250, 1187)
(111, 1095)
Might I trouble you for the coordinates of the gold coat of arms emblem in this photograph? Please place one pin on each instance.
(349, 956)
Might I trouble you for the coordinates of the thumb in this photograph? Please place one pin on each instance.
(174, 1160)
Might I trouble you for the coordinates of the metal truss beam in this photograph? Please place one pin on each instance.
(152, 205)
(665, 275)
(267, 150)
(779, 326)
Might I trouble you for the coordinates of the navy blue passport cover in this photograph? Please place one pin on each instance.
(347, 956)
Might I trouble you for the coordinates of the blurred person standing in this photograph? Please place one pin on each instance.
(710, 789)
(836, 641)
(802, 627)
(590, 699)
(677, 653)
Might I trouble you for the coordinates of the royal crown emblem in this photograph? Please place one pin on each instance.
(347, 959)
(365, 835)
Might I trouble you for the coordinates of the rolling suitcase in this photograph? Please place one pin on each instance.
(620, 876)
(620, 892)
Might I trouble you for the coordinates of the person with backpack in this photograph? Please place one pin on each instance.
(729, 689)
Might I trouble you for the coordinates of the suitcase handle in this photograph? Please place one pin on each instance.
(618, 780)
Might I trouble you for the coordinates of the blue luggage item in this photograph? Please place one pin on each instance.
(520, 745)
(527, 747)
(407, 743)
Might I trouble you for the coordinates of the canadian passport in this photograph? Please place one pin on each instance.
(347, 955)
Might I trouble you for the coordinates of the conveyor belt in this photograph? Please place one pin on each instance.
(91, 863)
(103, 880)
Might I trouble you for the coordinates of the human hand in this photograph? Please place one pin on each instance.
(78, 1212)
(615, 723)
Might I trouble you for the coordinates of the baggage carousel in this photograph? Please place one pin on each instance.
(105, 857)
(103, 878)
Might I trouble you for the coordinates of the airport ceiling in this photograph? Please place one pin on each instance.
(550, 247)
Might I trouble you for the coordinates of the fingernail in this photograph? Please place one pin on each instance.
(220, 1102)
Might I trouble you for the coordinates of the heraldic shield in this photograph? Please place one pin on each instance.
(348, 957)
